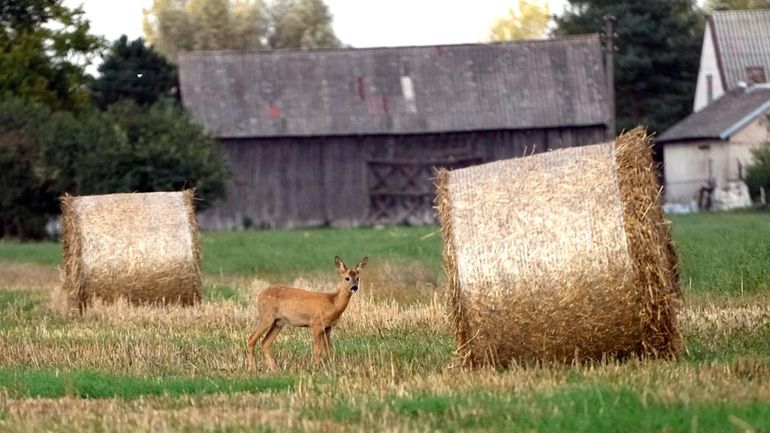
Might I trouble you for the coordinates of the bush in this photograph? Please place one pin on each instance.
(124, 149)
(758, 173)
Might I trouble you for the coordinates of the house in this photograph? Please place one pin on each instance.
(351, 136)
(706, 154)
(736, 49)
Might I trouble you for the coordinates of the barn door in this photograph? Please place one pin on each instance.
(402, 191)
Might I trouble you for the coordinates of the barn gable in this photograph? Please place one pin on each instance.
(404, 90)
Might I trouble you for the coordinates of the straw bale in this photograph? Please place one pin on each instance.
(561, 256)
(142, 247)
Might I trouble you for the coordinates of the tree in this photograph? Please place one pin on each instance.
(44, 47)
(658, 53)
(726, 5)
(529, 22)
(154, 149)
(25, 194)
(302, 24)
(183, 25)
(133, 71)
(758, 173)
(127, 148)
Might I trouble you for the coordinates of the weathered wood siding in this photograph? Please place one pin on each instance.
(311, 181)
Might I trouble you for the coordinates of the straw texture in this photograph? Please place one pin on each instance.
(142, 247)
(559, 256)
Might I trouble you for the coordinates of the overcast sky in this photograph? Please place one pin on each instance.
(360, 23)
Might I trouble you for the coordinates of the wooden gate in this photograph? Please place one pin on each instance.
(402, 191)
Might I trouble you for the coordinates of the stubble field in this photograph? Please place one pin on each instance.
(124, 369)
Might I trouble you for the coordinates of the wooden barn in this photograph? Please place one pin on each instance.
(351, 136)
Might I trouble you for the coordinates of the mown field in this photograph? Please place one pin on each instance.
(171, 369)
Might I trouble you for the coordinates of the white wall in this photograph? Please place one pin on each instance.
(708, 65)
(686, 168)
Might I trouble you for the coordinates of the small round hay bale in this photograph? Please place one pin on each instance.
(141, 246)
(559, 257)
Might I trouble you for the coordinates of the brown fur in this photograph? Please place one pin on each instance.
(281, 305)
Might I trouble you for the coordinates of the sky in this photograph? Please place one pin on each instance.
(360, 23)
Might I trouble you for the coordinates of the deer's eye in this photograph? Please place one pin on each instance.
(347, 278)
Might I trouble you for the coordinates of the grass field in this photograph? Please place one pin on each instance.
(173, 369)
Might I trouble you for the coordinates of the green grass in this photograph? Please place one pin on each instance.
(91, 384)
(42, 253)
(723, 252)
(297, 251)
(730, 344)
(17, 298)
(577, 408)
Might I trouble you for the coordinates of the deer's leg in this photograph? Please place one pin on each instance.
(319, 341)
(328, 342)
(263, 326)
(267, 341)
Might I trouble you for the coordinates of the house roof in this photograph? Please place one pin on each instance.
(527, 84)
(723, 117)
(742, 40)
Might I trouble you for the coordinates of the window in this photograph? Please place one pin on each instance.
(407, 89)
(755, 75)
(709, 88)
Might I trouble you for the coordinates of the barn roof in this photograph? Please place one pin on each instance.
(742, 40)
(527, 84)
(723, 117)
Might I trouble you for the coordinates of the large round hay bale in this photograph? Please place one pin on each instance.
(141, 246)
(560, 256)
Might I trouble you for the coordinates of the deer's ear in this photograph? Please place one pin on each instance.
(362, 263)
(339, 264)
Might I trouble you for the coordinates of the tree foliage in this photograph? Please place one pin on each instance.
(44, 47)
(133, 71)
(25, 190)
(658, 53)
(758, 173)
(727, 5)
(155, 149)
(173, 26)
(302, 24)
(530, 21)
(127, 148)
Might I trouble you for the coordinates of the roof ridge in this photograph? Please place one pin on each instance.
(740, 12)
(519, 42)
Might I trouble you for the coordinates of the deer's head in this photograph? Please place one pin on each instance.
(350, 275)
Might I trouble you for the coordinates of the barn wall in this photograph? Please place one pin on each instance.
(312, 181)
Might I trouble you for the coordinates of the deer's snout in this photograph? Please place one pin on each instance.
(354, 287)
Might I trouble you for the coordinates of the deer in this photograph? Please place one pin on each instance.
(279, 306)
